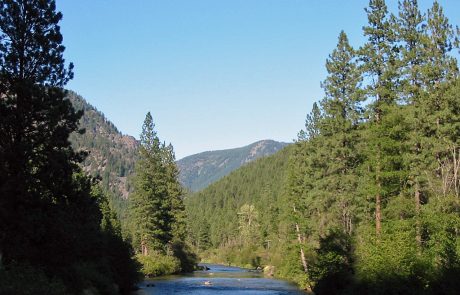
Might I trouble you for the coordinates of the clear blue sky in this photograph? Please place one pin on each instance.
(214, 74)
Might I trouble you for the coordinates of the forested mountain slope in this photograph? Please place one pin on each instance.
(199, 170)
(111, 154)
(214, 213)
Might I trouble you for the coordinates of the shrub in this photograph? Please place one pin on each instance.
(26, 280)
(158, 264)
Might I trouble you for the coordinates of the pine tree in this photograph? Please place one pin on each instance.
(412, 34)
(379, 64)
(341, 115)
(441, 67)
(36, 159)
(150, 205)
(311, 124)
(439, 73)
(175, 193)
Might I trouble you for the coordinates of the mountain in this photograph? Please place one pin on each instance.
(213, 213)
(112, 155)
(199, 170)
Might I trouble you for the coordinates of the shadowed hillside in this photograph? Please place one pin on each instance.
(111, 154)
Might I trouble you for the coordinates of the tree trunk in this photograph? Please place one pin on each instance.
(378, 205)
(144, 249)
(302, 254)
(378, 197)
(378, 214)
(299, 239)
(456, 164)
(418, 230)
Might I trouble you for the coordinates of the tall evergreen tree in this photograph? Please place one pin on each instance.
(412, 35)
(175, 193)
(150, 206)
(37, 161)
(341, 114)
(439, 73)
(379, 65)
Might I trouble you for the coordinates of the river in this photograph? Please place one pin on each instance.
(217, 280)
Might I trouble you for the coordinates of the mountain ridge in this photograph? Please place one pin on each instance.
(112, 155)
(200, 170)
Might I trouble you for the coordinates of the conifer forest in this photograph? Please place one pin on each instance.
(365, 200)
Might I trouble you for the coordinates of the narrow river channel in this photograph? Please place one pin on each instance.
(219, 279)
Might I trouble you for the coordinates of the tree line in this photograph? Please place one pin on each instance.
(369, 199)
(373, 182)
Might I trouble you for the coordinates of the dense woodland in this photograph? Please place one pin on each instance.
(370, 198)
(213, 213)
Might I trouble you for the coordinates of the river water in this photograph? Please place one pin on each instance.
(218, 280)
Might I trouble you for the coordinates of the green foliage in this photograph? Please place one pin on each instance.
(212, 214)
(288, 265)
(379, 264)
(157, 214)
(26, 280)
(118, 252)
(157, 264)
(151, 213)
(248, 224)
(187, 257)
(332, 270)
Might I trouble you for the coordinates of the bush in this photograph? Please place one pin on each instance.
(188, 259)
(26, 280)
(389, 264)
(157, 264)
(94, 276)
(332, 271)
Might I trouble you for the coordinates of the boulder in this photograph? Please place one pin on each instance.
(269, 270)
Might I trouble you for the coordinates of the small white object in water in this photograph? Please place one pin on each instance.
(207, 283)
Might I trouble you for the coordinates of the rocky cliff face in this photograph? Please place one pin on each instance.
(112, 155)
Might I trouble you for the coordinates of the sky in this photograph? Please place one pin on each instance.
(215, 74)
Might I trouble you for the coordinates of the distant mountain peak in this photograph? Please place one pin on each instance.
(199, 170)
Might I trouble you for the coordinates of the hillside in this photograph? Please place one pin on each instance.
(213, 212)
(111, 154)
(199, 170)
